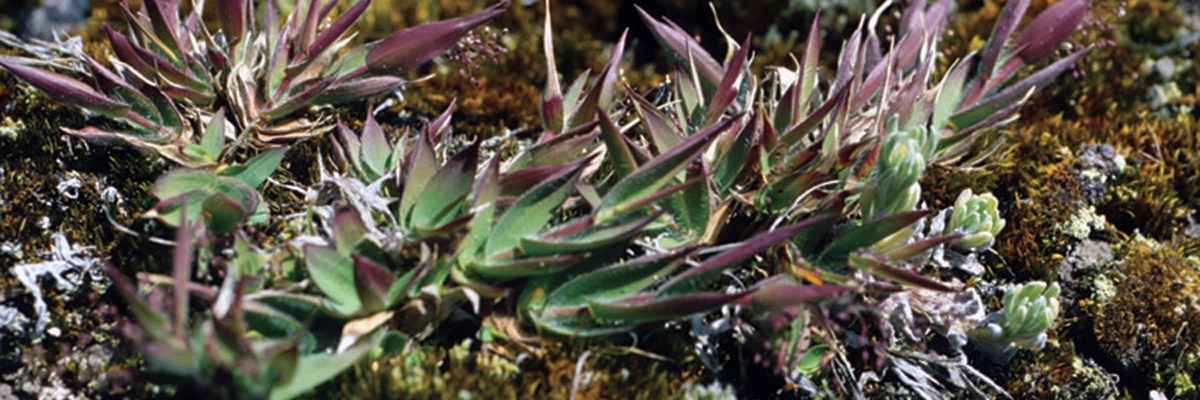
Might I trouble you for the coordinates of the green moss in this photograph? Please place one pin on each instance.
(470, 370)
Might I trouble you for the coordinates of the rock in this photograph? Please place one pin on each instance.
(54, 16)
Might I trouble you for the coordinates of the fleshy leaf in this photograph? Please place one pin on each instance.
(333, 273)
(67, 89)
(656, 173)
(870, 232)
(409, 48)
(372, 282)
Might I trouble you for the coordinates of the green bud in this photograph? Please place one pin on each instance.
(977, 218)
(1029, 310)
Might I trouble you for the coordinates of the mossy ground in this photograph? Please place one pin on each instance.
(1147, 332)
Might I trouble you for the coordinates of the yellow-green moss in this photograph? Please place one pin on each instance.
(1152, 325)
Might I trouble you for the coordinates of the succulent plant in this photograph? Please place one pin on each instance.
(977, 218)
(242, 347)
(171, 73)
(224, 199)
(1028, 311)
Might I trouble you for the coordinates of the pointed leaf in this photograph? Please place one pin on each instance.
(409, 48)
(372, 283)
(261, 167)
(348, 230)
(314, 369)
(67, 89)
(532, 211)
(658, 172)
(333, 273)
(778, 294)
(902, 275)
(647, 308)
(871, 232)
(616, 280)
(691, 279)
(591, 238)
(1052, 27)
(446, 190)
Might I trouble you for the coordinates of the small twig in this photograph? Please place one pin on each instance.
(126, 230)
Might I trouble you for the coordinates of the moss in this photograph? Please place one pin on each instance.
(1149, 326)
(470, 370)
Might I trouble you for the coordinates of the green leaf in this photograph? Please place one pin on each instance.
(589, 238)
(444, 194)
(222, 214)
(869, 233)
(523, 267)
(375, 147)
(616, 280)
(315, 369)
(647, 308)
(618, 151)
(214, 135)
(260, 167)
(656, 173)
(811, 362)
(950, 93)
(532, 211)
(422, 165)
(333, 273)
(486, 190)
(348, 230)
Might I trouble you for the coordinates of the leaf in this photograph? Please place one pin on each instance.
(902, 275)
(375, 147)
(261, 167)
(446, 190)
(1014, 94)
(734, 157)
(778, 294)
(357, 89)
(656, 173)
(618, 152)
(523, 267)
(409, 48)
(532, 211)
(916, 248)
(337, 28)
(646, 308)
(214, 135)
(599, 100)
(67, 89)
(484, 209)
(1010, 16)
(314, 369)
(692, 278)
(616, 280)
(590, 238)
(726, 91)
(348, 230)
(222, 214)
(950, 92)
(1053, 26)
(870, 232)
(682, 44)
(372, 283)
(422, 165)
(663, 133)
(333, 273)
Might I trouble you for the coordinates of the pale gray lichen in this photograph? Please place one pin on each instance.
(712, 391)
(67, 265)
(1081, 225)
